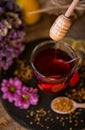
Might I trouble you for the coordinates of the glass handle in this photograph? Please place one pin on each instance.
(81, 58)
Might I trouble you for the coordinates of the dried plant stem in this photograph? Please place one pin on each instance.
(41, 10)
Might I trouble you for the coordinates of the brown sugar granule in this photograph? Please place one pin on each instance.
(63, 123)
(62, 104)
(70, 121)
(27, 116)
(77, 94)
(51, 119)
(57, 117)
(31, 123)
(31, 113)
(82, 120)
(23, 71)
(40, 116)
(76, 124)
(47, 127)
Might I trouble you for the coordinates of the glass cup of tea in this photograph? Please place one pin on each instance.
(54, 63)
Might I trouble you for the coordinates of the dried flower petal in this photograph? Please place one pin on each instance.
(12, 33)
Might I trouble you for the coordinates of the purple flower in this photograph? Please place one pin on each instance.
(18, 48)
(5, 59)
(26, 97)
(23, 96)
(10, 88)
(2, 25)
(12, 33)
(6, 64)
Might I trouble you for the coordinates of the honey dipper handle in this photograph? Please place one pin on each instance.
(71, 8)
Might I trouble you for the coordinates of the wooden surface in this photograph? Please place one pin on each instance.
(41, 30)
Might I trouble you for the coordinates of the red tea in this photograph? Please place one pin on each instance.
(52, 63)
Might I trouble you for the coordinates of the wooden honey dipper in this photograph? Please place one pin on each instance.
(62, 24)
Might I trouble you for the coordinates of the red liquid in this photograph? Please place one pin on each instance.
(52, 63)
